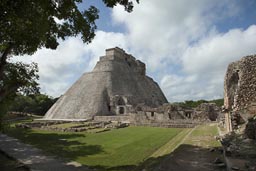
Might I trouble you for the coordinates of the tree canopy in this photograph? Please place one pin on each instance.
(27, 25)
(35, 103)
(193, 104)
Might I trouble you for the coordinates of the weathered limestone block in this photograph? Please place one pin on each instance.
(240, 93)
(207, 111)
(240, 84)
(115, 86)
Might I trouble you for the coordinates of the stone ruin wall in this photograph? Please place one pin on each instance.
(167, 115)
(240, 95)
(207, 111)
(240, 85)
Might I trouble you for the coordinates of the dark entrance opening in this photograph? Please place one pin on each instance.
(188, 115)
(152, 114)
(121, 110)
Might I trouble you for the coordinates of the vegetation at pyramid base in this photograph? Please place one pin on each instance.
(194, 104)
(37, 104)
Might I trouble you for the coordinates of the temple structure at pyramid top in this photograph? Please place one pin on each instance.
(117, 86)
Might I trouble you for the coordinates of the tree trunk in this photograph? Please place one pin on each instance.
(3, 59)
(5, 92)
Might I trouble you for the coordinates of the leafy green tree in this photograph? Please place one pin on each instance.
(35, 103)
(19, 76)
(218, 102)
(193, 104)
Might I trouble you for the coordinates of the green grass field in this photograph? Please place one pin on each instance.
(189, 145)
(120, 147)
(204, 136)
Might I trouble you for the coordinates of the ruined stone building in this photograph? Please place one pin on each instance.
(240, 84)
(240, 91)
(116, 86)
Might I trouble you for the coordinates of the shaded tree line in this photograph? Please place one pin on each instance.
(35, 104)
(194, 104)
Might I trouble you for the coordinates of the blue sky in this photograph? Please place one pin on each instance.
(186, 45)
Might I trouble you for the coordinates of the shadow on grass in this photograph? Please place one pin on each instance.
(58, 144)
(184, 158)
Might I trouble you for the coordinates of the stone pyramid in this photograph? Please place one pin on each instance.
(116, 86)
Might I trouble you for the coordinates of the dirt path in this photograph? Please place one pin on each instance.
(194, 153)
(9, 164)
(34, 158)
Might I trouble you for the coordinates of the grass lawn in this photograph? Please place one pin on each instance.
(191, 153)
(204, 136)
(66, 125)
(120, 147)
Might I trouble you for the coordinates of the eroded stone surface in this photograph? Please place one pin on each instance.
(240, 93)
(240, 84)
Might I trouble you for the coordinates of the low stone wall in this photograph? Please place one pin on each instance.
(166, 125)
(145, 120)
(118, 118)
(20, 113)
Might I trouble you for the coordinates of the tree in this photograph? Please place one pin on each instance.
(28, 25)
(34, 103)
(17, 77)
(194, 104)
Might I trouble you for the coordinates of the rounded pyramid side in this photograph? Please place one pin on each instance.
(85, 98)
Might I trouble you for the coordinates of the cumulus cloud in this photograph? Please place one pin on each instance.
(161, 31)
(206, 63)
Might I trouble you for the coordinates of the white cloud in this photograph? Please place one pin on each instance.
(207, 61)
(215, 52)
(102, 41)
(161, 31)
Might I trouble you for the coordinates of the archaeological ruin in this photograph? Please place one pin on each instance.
(118, 89)
(240, 91)
(240, 113)
(117, 84)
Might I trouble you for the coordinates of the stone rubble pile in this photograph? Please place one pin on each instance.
(207, 111)
(83, 126)
(250, 129)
